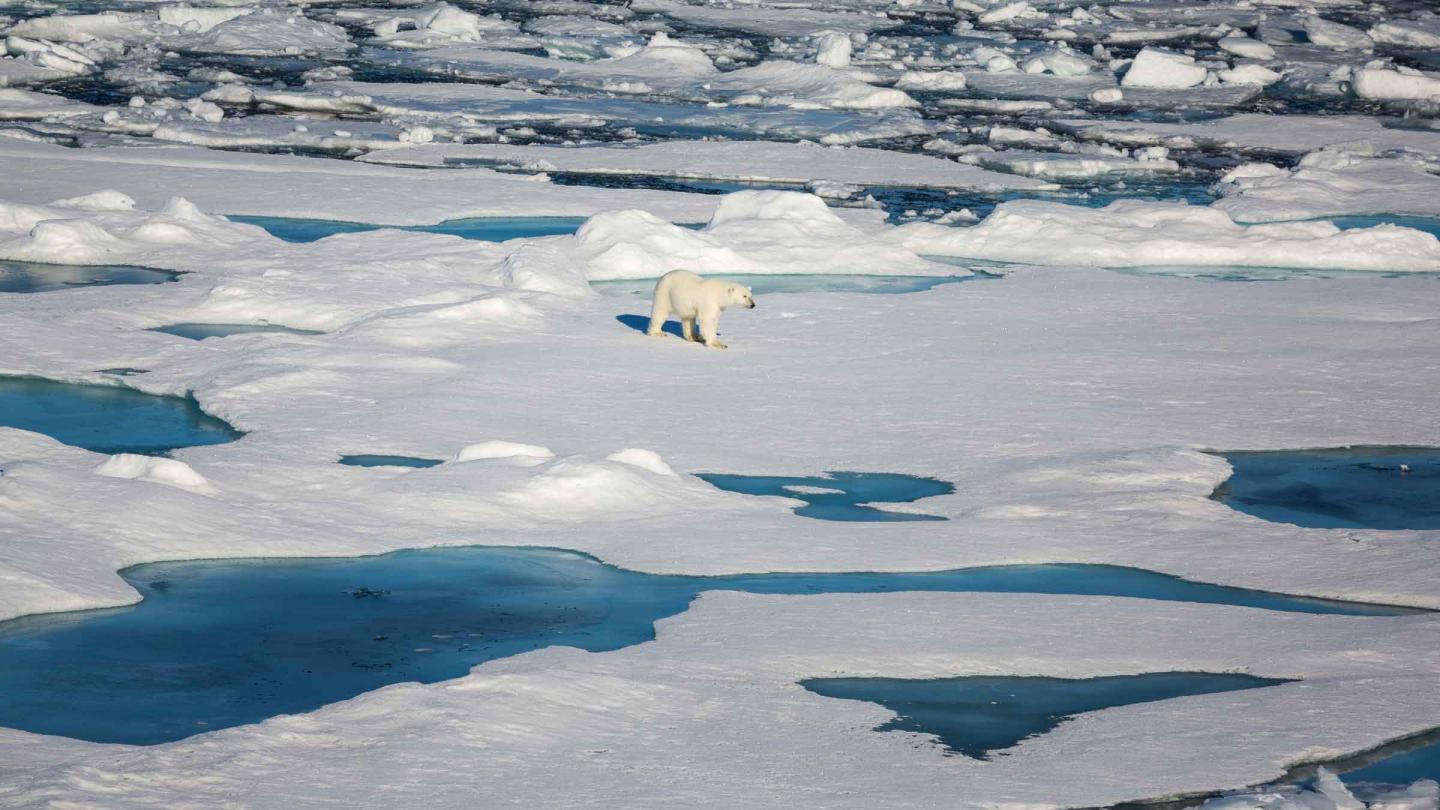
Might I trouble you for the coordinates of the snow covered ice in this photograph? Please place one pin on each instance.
(288, 287)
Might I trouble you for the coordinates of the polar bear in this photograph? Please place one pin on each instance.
(691, 298)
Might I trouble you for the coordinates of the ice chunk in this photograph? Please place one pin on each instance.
(1153, 67)
(1246, 47)
(833, 50)
(1330, 34)
(1249, 74)
(1399, 84)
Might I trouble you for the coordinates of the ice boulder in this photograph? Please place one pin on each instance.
(167, 471)
(1401, 84)
(1163, 70)
(833, 50)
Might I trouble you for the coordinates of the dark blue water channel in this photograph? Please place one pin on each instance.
(1364, 487)
(222, 643)
(485, 229)
(108, 419)
(34, 277)
(980, 715)
(844, 496)
(205, 331)
(374, 460)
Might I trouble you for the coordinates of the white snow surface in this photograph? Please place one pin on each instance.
(1133, 233)
(1333, 184)
(753, 161)
(1071, 406)
(1070, 432)
(235, 183)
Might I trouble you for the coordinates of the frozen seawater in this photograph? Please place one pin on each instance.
(1338, 488)
(485, 229)
(33, 277)
(202, 331)
(771, 284)
(842, 496)
(108, 419)
(981, 715)
(1234, 273)
(371, 460)
(222, 643)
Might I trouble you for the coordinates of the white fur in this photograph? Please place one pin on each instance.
(693, 299)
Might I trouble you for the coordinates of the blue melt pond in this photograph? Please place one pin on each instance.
(485, 229)
(1429, 225)
(371, 460)
(108, 419)
(204, 331)
(33, 277)
(1339, 488)
(221, 643)
(976, 716)
(840, 495)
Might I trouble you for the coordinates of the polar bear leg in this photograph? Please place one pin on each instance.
(658, 313)
(687, 328)
(710, 329)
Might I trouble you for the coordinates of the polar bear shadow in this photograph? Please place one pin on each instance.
(642, 322)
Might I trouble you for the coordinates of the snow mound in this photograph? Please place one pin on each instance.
(167, 471)
(644, 459)
(107, 200)
(1132, 233)
(502, 449)
(780, 232)
(579, 489)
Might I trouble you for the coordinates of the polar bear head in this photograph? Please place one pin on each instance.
(739, 296)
